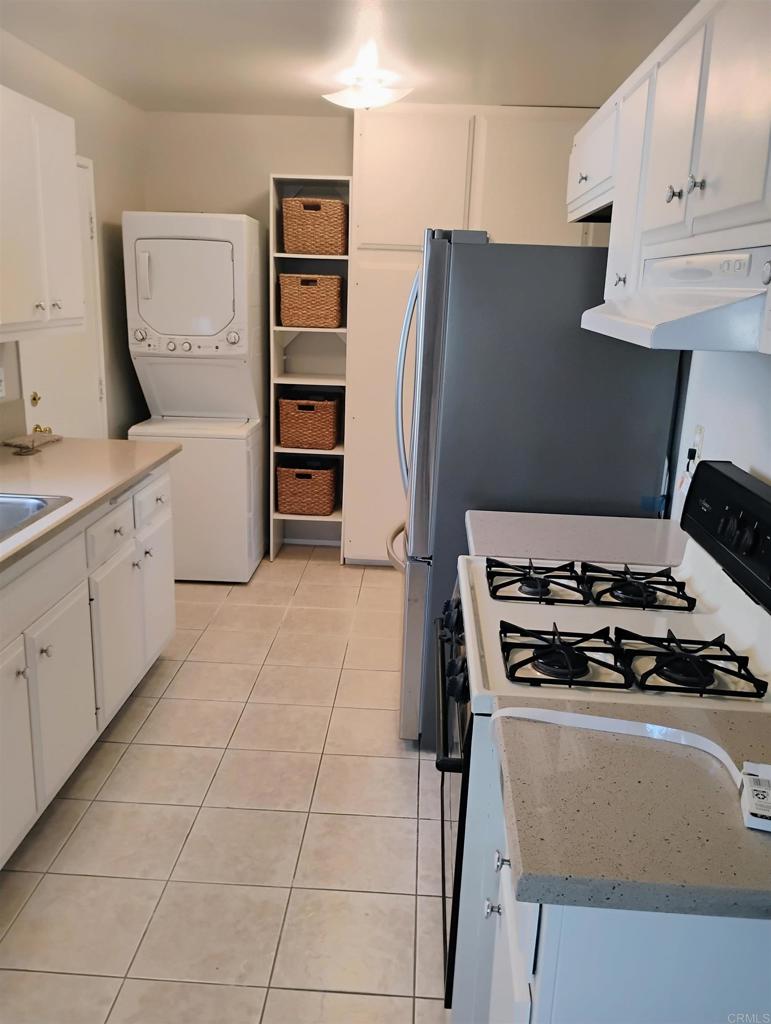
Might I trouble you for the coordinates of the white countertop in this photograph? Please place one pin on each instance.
(579, 538)
(88, 471)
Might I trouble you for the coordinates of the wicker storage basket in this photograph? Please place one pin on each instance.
(307, 422)
(315, 226)
(306, 491)
(310, 300)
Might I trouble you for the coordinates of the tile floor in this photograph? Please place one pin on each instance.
(250, 842)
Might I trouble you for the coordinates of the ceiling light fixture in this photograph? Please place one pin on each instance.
(367, 85)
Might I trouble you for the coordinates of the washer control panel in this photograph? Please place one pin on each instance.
(143, 340)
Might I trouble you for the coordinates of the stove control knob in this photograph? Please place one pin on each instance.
(730, 531)
(233, 337)
(171, 346)
(748, 540)
(140, 335)
(186, 346)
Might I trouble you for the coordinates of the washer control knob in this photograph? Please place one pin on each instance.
(233, 337)
(171, 346)
(765, 276)
(139, 334)
(186, 346)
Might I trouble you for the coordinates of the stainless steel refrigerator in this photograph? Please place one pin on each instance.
(515, 408)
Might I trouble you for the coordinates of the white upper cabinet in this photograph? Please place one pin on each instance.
(671, 137)
(425, 159)
(590, 172)
(731, 183)
(40, 249)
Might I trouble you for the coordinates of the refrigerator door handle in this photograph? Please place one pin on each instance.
(401, 361)
(399, 564)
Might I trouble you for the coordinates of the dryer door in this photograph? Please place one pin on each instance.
(185, 285)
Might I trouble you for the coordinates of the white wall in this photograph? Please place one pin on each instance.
(110, 132)
(729, 394)
(220, 163)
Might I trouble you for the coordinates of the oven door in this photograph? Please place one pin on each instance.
(453, 747)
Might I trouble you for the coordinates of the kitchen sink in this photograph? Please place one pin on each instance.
(17, 511)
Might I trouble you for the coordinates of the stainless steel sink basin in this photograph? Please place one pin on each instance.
(18, 511)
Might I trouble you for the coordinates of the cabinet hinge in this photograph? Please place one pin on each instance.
(91, 600)
(91, 225)
(101, 389)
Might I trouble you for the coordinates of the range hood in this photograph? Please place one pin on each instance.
(712, 301)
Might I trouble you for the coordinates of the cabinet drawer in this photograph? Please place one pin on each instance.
(106, 536)
(152, 501)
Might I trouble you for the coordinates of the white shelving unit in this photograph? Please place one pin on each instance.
(312, 359)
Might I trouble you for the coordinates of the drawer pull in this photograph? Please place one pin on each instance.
(501, 861)
(672, 193)
(696, 183)
(620, 279)
(136, 565)
(148, 552)
(118, 531)
(160, 500)
(582, 177)
(48, 651)
(22, 673)
(492, 908)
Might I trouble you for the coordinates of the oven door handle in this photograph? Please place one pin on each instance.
(444, 762)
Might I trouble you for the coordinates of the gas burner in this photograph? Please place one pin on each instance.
(704, 667)
(563, 658)
(630, 589)
(559, 584)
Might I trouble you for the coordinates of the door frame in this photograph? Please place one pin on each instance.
(86, 164)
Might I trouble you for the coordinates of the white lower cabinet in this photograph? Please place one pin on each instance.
(118, 630)
(155, 550)
(509, 989)
(61, 680)
(18, 805)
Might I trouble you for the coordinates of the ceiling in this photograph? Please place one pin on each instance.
(277, 56)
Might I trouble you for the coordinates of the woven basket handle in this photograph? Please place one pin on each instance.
(303, 475)
(312, 207)
(306, 406)
(306, 282)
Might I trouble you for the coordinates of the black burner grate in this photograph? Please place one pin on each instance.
(627, 588)
(559, 584)
(563, 658)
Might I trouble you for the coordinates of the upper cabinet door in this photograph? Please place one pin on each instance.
(23, 297)
(591, 162)
(731, 183)
(412, 172)
(59, 190)
(671, 141)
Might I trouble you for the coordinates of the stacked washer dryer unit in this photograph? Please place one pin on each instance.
(194, 298)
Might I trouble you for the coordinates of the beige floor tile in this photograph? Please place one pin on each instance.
(333, 621)
(190, 723)
(281, 727)
(431, 1011)
(48, 836)
(367, 732)
(128, 721)
(296, 552)
(210, 680)
(332, 575)
(125, 841)
(385, 786)
(162, 775)
(242, 846)
(178, 1002)
(430, 859)
(222, 933)
(237, 647)
(209, 593)
(317, 595)
(15, 889)
(429, 791)
(381, 599)
(382, 624)
(194, 614)
(181, 644)
(290, 1006)
(90, 775)
(287, 684)
(365, 944)
(284, 570)
(383, 576)
(429, 970)
(30, 997)
(262, 592)
(306, 651)
(254, 618)
(363, 688)
(264, 779)
(80, 925)
(374, 653)
(157, 678)
(326, 553)
(342, 851)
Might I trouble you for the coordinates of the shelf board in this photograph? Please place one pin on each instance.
(337, 450)
(336, 517)
(307, 256)
(310, 330)
(313, 379)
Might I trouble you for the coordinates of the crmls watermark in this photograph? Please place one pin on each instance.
(756, 1017)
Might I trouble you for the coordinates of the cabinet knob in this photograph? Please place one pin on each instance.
(620, 279)
(491, 908)
(48, 651)
(56, 304)
(41, 306)
(118, 531)
(501, 861)
(148, 552)
(160, 500)
(672, 193)
(136, 565)
(696, 183)
(22, 673)
(582, 177)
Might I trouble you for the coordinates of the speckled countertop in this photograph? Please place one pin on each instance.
(603, 820)
(89, 471)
